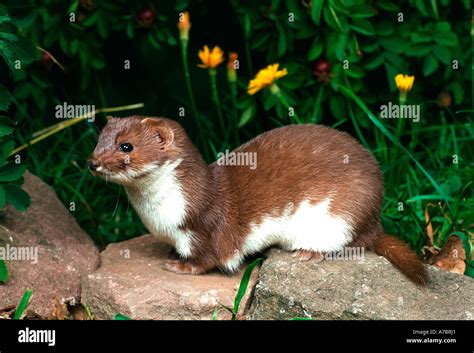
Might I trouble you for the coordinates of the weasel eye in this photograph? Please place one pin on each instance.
(126, 147)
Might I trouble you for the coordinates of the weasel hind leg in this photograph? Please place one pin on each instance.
(184, 267)
(306, 255)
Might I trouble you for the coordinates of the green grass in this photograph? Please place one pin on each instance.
(24, 302)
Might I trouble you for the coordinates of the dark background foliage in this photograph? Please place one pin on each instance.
(368, 34)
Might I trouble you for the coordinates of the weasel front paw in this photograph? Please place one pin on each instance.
(182, 268)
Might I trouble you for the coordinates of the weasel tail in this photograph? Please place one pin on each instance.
(401, 256)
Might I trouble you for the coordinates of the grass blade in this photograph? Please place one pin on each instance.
(3, 271)
(244, 284)
(23, 304)
(121, 317)
(349, 93)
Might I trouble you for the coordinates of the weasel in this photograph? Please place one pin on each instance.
(314, 190)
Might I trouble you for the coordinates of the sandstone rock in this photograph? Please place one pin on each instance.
(65, 251)
(131, 282)
(368, 289)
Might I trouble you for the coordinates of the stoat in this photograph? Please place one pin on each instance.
(312, 190)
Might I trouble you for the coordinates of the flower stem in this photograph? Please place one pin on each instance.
(233, 95)
(276, 91)
(187, 76)
(215, 98)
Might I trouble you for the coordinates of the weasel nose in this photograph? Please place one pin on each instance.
(92, 165)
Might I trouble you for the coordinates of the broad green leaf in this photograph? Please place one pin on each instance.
(388, 5)
(316, 6)
(23, 50)
(26, 21)
(375, 62)
(316, 49)
(6, 126)
(3, 271)
(7, 145)
(420, 37)
(363, 26)
(446, 38)
(430, 64)
(419, 49)
(394, 44)
(23, 304)
(282, 40)
(5, 97)
(443, 53)
(17, 197)
(11, 171)
(247, 115)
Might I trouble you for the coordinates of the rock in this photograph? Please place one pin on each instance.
(131, 282)
(351, 289)
(65, 253)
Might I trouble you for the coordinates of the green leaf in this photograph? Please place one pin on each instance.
(23, 50)
(387, 5)
(17, 197)
(442, 26)
(282, 41)
(363, 27)
(420, 37)
(446, 38)
(6, 126)
(316, 49)
(244, 284)
(3, 271)
(394, 44)
(12, 171)
(430, 64)
(7, 146)
(121, 317)
(247, 115)
(355, 72)
(26, 21)
(23, 304)
(443, 53)
(375, 62)
(469, 269)
(316, 6)
(419, 49)
(5, 97)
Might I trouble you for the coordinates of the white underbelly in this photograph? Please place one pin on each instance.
(310, 227)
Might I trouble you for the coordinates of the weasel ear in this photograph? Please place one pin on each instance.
(163, 131)
(109, 118)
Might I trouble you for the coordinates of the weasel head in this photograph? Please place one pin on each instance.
(134, 148)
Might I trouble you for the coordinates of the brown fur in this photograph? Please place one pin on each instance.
(295, 163)
(402, 257)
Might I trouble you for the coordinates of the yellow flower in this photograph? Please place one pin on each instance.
(210, 59)
(404, 82)
(265, 77)
(184, 25)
